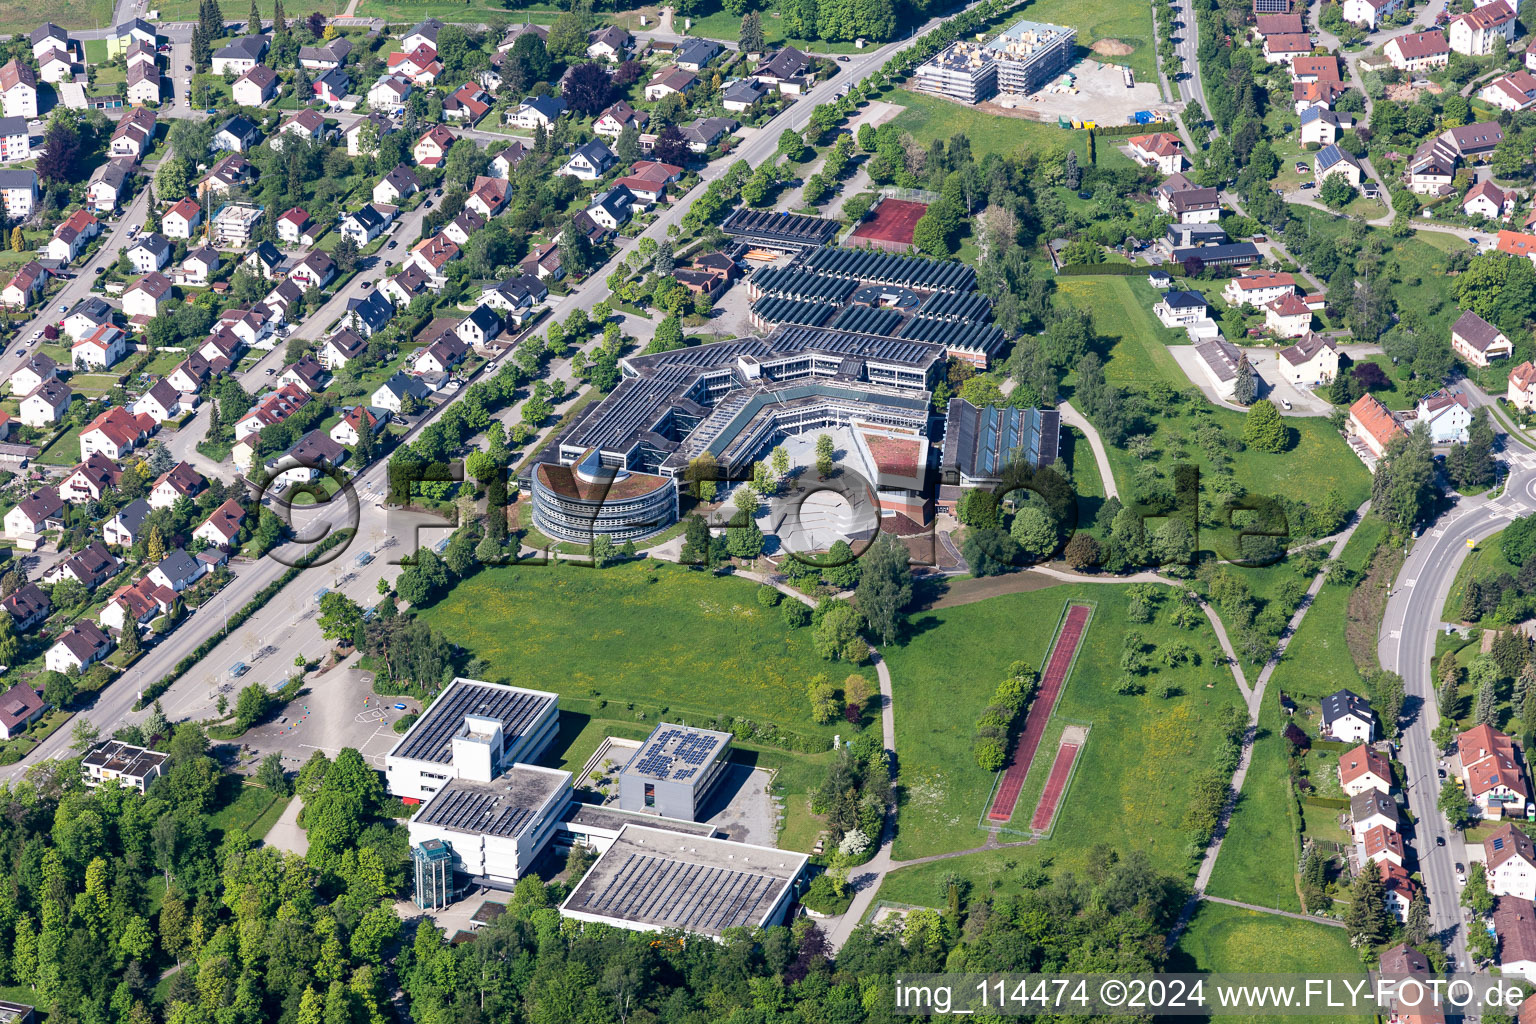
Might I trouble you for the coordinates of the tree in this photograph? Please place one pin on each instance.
(835, 633)
(253, 24)
(885, 586)
(1244, 390)
(1082, 552)
(1263, 429)
(1336, 191)
(339, 616)
(1416, 929)
(252, 705)
(669, 335)
(83, 736)
(1367, 919)
(1035, 533)
(588, 88)
(270, 775)
(1453, 803)
(824, 455)
(751, 37)
(18, 241)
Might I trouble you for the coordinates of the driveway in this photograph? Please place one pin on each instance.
(1266, 361)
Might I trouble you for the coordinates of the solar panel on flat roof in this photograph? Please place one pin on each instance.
(430, 739)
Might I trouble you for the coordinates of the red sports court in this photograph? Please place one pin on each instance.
(1056, 668)
(1055, 786)
(890, 225)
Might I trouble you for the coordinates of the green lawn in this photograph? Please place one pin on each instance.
(1136, 354)
(252, 808)
(1258, 857)
(1487, 559)
(1130, 23)
(1232, 940)
(687, 646)
(1395, 398)
(929, 118)
(186, 10)
(1134, 778)
(23, 16)
(64, 451)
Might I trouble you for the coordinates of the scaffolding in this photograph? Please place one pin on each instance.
(434, 874)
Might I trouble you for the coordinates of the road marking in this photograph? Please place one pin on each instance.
(1395, 634)
(1409, 583)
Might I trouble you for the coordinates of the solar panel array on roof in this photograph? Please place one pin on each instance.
(676, 754)
(955, 335)
(683, 895)
(790, 228)
(868, 320)
(778, 310)
(794, 283)
(879, 267)
(431, 738)
(966, 307)
(477, 811)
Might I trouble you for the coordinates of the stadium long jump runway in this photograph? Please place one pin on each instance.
(1057, 666)
(1072, 740)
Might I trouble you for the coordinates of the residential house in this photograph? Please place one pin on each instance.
(1322, 126)
(135, 605)
(543, 262)
(422, 34)
(1373, 425)
(1514, 925)
(46, 405)
(123, 529)
(107, 344)
(1195, 206)
(25, 286)
(1490, 773)
(1448, 416)
(742, 95)
(1485, 199)
(129, 32)
(1475, 142)
(649, 180)
(1281, 47)
(15, 140)
(1179, 308)
(348, 430)
(332, 86)
(503, 163)
(431, 255)
(1315, 70)
(230, 172)
(705, 132)
(468, 104)
(1418, 51)
(1372, 808)
(306, 373)
(306, 124)
(134, 134)
(367, 223)
(18, 89)
(143, 298)
(144, 84)
(369, 313)
(670, 81)
(489, 196)
(1399, 892)
(161, 402)
(1522, 387)
(326, 55)
(255, 87)
(27, 606)
(35, 372)
(222, 527)
(180, 481)
(341, 348)
(190, 374)
(590, 161)
(1347, 717)
(265, 260)
(1474, 32)
(536, 112)
(1313, 360)
(1288, 316)
(239, 55)
(316, 270)
(442, 355)
(1161, 150)
(307, 459)
(432, 148)
(1477, 341)
(34, 514)
(469, 221)
(1383, 845)
(1514, 91)
(695, 54)
(90, 480)
(389, 91)
(237, 134)
(1361, 769)
(272, 408)
(396, 185)
(1332, 160)
(108, 184)
(615, 119)
(150, 252)
(786, 71)
(79, 647)
(611, 209)
(1509, 860)
(1257, 288)
(181, 220)
(177, 571)
(115, 433)
(515, 296)
(18, 193)
(296, 228)
(403, 288)
(1369, 12)
(479, 327)
(609, 43)
(394, 393)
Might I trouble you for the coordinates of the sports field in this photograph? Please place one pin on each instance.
(1063, 651)
(893, 221)
(1055, 786)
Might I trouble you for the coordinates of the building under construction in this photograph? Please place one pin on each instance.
(1022, 59)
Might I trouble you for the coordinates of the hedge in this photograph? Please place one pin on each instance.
(152, 692)
(1107, 269)
(1336, 803)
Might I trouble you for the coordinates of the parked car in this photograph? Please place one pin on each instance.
(391, 245)
(1439, 840)
(1308, 184)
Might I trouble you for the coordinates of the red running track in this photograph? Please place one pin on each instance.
(1055, 785)
(1062, 653)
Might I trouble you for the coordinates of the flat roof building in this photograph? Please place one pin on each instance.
(495, 830)
(673, 771)
(963, 71)
(980, 442)
(779, 231)
(472, 731)
(653, 879)
(1031, 53)
(134, 767)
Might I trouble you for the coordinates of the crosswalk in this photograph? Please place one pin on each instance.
(1525, 460)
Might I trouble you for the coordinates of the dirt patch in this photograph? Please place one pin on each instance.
(1112, 47)
(1403, 92)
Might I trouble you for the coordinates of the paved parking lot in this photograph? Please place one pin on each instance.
(340, 710)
